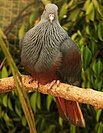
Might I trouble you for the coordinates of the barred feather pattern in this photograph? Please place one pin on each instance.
(41, 46)
(49, 54)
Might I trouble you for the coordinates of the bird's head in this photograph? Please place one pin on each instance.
(50, 13)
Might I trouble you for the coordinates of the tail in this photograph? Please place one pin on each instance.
(70, 110)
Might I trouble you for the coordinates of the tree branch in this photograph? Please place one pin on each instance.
(69, 92)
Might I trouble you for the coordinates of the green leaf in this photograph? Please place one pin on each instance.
(97, 6)
(38, 101)
(74, 36)
(100, 31)
(60, 121)
(0, 112)
(84, 84)
(86, 4)
(82, 41)
(79, 33)
(98, 114)
(18, 110)
(90, 12)
(97, 67)
(87, 28)
(71, 3)
(89, 75)
(63, 10)
(97, 84)
(50, 129)
(87, 56)
(88, 84)
(5, 100)
(4, 72)
(94, 67)
(10, 104)
(99, 127)
(66, 26)
(87, 78)
(33, 101)
(2, 34)
(42, 124)
(83, 75)
(89, 8)
(74, 15)
(93, 47)
(49, 101)
(72, 129)
(33, 16)
(46, 2)
(6, 118)
(24, 122)
(12, 130)
(21, 31)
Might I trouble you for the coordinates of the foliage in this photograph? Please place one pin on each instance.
(20, 89)
(83, 20)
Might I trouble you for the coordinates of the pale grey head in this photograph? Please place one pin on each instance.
(50, 13)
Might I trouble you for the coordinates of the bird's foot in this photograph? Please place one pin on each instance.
(37, 85)
(57, 82)
(33, 80)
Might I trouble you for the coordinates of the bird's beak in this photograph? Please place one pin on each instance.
(51, 17)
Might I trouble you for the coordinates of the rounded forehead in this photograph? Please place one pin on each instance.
(51, 7)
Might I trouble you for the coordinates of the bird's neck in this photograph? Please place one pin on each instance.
(43, 20)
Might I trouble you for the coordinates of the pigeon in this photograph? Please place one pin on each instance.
(49, 54)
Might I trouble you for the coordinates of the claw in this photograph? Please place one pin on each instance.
(57, 82)
(35, 81)
(31, 80)
(37, 85)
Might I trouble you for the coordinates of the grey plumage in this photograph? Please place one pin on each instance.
(42, 45)
(47, 49)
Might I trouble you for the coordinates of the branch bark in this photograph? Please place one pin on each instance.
(66, 91)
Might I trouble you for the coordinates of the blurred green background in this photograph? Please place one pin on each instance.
(83, 20)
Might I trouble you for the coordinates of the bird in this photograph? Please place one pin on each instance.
(49, 54)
